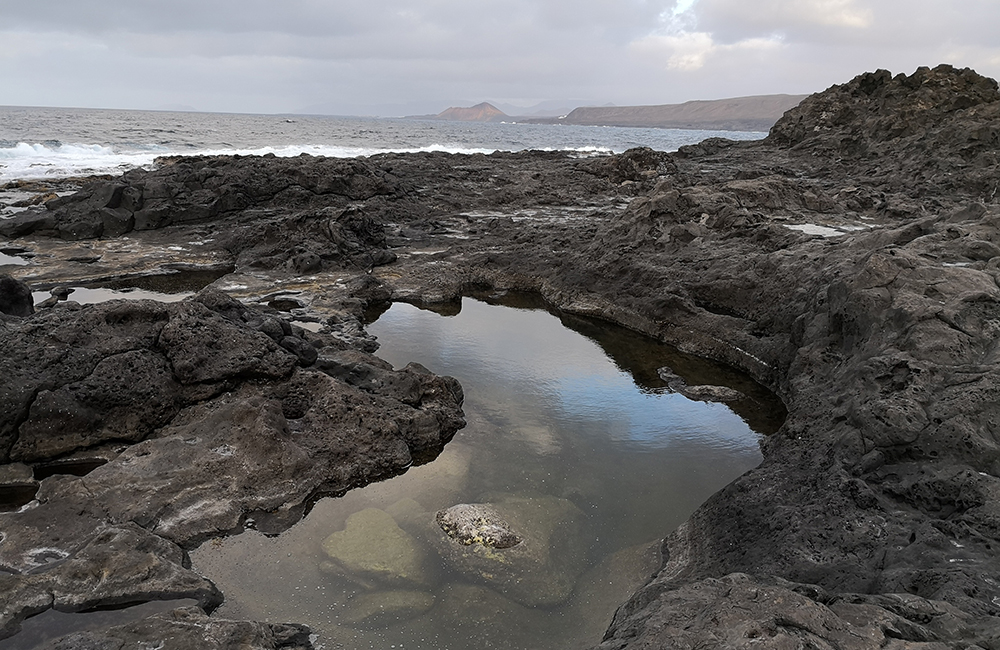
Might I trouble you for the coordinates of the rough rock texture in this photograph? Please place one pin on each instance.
(850, 262)
(186, 628)
(15, 297)
(208, 425)
(477, 523)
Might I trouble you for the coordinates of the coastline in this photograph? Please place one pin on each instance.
(871, 521)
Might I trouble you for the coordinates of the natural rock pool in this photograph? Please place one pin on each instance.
(574, 445)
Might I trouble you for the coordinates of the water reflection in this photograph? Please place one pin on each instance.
(89, 296)
(12, 260)
(555, 426)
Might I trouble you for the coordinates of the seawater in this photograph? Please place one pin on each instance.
(554, 415)
(59, 142)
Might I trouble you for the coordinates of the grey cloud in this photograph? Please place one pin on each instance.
(324, 18)
(886, 23)
(271, 56)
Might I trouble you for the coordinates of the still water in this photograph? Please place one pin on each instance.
(570, 432)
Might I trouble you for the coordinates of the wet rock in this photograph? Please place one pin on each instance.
(189, 627)
(701, 393)
(373, 547)
(539, 570)
(101, 566)
(15, 297)
(476, 524)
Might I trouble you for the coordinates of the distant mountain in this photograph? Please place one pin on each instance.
(757, 113)
(483, 112)
(547, 108)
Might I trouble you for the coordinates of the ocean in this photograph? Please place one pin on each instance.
(40, 143)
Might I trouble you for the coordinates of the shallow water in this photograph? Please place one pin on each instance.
(12, 259)
(39, 631)
(552, 419)
(90, 296)
(170, 287)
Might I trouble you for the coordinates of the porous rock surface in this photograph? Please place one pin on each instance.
(207, 424)
(849, 261)
(187, 628)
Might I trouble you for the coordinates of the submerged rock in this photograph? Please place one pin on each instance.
(372, 547)
(528, 548)
(699, 393)
(381, 608)
(481, 616)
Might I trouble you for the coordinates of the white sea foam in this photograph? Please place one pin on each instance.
(56, 143)
(35, 161)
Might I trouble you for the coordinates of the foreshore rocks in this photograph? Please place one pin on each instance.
(189, 627)
(207, 425)
(849, 262)
(15, 297)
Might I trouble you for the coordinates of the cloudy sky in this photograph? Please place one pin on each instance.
(391, 57)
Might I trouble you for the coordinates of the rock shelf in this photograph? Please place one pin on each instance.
(872, 521)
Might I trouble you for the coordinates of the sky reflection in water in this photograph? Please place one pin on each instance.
(550, 415)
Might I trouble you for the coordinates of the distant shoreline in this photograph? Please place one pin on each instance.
(756, 114)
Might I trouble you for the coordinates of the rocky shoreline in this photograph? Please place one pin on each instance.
(850, 262)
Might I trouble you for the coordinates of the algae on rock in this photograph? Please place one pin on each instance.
(540, 570)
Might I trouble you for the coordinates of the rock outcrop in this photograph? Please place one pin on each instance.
(207, 423)
(15, 297)
(186, 628)
(850, 262)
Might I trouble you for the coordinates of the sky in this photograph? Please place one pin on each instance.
(399, 57)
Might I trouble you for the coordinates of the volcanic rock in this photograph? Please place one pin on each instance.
(477, 524)
(189, 396)
(189, 627)
(15, 297)
(848, 262)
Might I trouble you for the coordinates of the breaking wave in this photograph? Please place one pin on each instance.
(30, 161)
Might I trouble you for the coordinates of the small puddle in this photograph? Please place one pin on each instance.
(570, 432)
(14, 496)
(74, 467)
(168, 287)
(89, 296)
(6, 259)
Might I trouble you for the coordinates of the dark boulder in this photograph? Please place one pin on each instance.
(15, 297)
